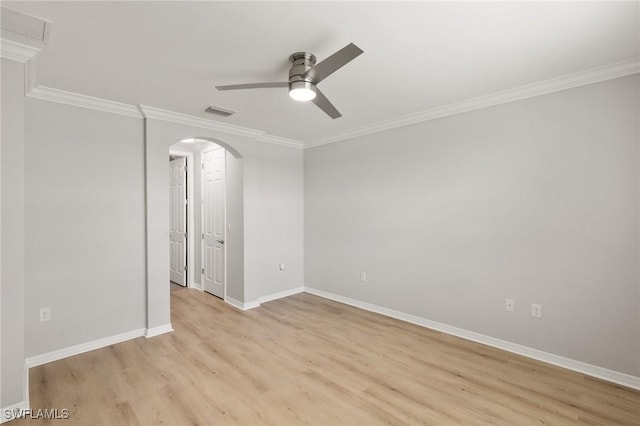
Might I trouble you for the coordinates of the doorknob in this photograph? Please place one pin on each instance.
(220, 241)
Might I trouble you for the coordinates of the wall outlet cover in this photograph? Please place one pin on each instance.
(45, 314)
(509, 305)
(536, 310)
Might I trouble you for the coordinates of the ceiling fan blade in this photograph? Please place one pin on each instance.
(334, 62)
(253, 86)
(323, 103)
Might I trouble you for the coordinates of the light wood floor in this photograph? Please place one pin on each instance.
(306, 360)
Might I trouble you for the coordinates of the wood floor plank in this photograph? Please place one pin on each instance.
(304, 360)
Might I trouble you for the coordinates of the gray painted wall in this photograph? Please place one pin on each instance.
(273, 223)
(535, 200)
(235, 238)
(12, 230)
(84, 174)
(85, 222)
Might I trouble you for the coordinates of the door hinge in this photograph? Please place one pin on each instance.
(202, 165)
(185, 236)
(202, 236)
(185, 268)
(202, 271)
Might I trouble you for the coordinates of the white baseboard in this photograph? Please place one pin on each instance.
(82, 348)
(241, 305)
(251, 305)
(26, 397)
(280, 294)
(157, 331)
(560, 361)
(264, 299)
(196, 286)
(13, 411)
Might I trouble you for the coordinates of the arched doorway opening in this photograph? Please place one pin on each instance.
(159, 137)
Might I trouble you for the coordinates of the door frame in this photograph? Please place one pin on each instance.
(209, 148)
(191, 264)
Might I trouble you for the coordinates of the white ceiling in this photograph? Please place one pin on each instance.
(417, 55)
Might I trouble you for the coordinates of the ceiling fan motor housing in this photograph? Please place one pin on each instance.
(302, 62)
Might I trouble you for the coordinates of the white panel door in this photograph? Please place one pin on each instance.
(213, 221)
(178, 221)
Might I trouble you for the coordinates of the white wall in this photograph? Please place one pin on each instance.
(12, 229)
(84, 191)
(535, 200)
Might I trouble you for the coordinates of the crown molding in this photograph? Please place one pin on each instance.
(583, 78)
(15, 51)
(28, 55)
(190, 120)
(84, 101)
(279, 140)
(25, 54)
(203, 123)
(144, 111)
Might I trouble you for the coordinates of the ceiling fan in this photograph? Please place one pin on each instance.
(304, 76)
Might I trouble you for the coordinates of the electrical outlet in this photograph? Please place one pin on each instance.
(281, 267)
(363, 276)
(45, 314)
(509, 305)
(536, 310)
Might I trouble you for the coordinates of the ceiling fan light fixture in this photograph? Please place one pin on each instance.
(302, 91)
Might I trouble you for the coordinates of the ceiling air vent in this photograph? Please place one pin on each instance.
(219, 111)
(25, 24)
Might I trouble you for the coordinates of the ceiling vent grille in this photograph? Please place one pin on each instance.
(219, 111)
